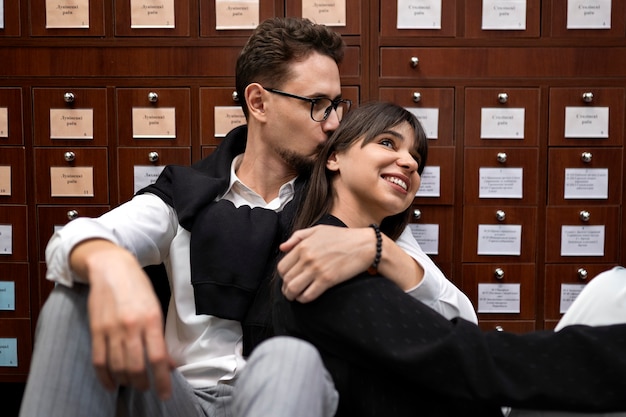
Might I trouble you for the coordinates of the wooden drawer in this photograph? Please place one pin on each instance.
(613, 29)
(11, 132)
(501, 291)
(15, 348)
(162, 116)
(14, 291)
(79, 116)
(144, 165)
(434, 107)
(157, 24)
(595, 240)
(594, 176)
(499, 240)
(530, 28)
(502, 116)
(12, 175)
(389, 21)
(11, 19)
(563, 283)
(54, 25)
(13, 234)
(497, 176)
(71, 176)
(220, 112)
(208, 19)
(511, 326)
(596, 116)
(437, 185)
(432, 226)
(49, 218)
(319, 11)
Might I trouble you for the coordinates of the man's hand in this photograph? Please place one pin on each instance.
(321, 257)
(125, 318)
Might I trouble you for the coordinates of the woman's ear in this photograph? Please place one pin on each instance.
(255, 100)
(332, 164)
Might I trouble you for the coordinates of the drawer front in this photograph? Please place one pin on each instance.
(13, 234)
(431, 227)
(11, 132)
(12, 175)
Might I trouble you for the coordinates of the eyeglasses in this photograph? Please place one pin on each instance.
(320, 106)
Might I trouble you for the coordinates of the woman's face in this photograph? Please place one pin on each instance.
(377, 180)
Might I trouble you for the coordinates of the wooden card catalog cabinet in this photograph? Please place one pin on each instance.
(154, 116)
(223, 18)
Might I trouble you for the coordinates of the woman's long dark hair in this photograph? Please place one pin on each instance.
(367, 121)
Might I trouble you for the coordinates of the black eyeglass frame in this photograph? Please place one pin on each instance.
(314, 100)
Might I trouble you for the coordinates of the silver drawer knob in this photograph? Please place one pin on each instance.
(69, 97)
(501, 157)
(584, 215)
(69, 156)
(153, 97)
(499, 328)
(414, 61)
(588, 97)
(72, 214)
(500, 215)
(153, 156)
(498, 273)
(417, 97)
(586, 157)
(417, 214)
(503, 97)
(235, 96)
(582, 273)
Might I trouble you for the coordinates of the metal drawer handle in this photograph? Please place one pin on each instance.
(586, 157)
(503, 97)
(72, 214)
(584, 215)
(69, 156)
(417, 97)
(502, 156)
(588, 97)
(153, 97)
(153, 156)
(582, 273)
(417, 214)
(414, 61)
(500, 215)
(235, 97)
(498, 273)
(69, 97)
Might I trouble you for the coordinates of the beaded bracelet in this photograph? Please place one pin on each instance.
(373, 269)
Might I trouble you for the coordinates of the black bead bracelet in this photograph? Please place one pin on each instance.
(373, 269)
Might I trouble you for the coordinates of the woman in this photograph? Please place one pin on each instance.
(389, 354)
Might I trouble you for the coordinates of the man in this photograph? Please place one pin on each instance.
(100, 347)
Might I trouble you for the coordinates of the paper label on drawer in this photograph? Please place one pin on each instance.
(495, 239)
(4, 122)
(430, 186)
(329, 13)
(5, 180)
(501, 183)
(8, 352)
(582, 240)
(71, 182)
(6, 239)
(419, 14)
(427, 235)
(7, 295)
(152, 14)
(236, 14)
(587, 122)
(496, 123)
(158, 123)
(586, 183)
(227, 118)
(67, 14)
(589, 14)
(504, 15)
(429, 119)
(145, 175)
(71, 123)
(499, 298)
(569, 292)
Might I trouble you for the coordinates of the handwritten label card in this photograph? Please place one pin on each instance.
(151, 122)
(496, 123)
(5, 180)
(7, 295)
(71, 182)
(419, 14)
(8, 352)
(227, 118)
(145, 14)
(67, 14)
(582, 240)
(586, 122)
(499, 298)
(4, 122)
(430, 185)
(145, 175)
(329, 13)
(569, 293)
(589, 14)
(71, 123)
(236, 14)
(584, 183)
(6, 239)
(504, 15)
(495, 239)
(500, 183)
(429, 119)
(427, 235)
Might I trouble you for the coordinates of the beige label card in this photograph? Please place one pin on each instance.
(71, 181)
(71, 123)
(4, 122)
(325, 12)
(227, 118)
(5, 179)
(67, 14)
(154, 123)
(236, 14)
(152, 14)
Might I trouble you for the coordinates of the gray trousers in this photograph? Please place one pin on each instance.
(62, 381)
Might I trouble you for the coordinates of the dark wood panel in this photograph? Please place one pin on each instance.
(12, 19)
(15, 159)
(11, 98)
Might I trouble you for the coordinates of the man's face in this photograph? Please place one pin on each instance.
(292, 133)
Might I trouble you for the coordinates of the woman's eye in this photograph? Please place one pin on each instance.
(387, 142)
